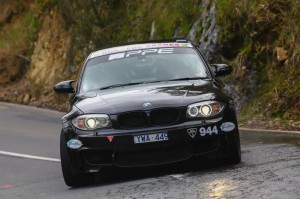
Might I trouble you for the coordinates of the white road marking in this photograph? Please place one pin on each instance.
(20, 155)
(178, 176)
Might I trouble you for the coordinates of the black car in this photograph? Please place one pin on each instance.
(146, 104)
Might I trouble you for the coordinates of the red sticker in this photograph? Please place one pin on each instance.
(110, 138)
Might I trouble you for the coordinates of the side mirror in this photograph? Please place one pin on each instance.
(221, 69)
(64, 87)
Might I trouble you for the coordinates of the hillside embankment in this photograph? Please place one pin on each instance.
(43, 42)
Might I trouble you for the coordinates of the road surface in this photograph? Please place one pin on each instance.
(30, 167)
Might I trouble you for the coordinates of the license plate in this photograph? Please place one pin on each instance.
(156, 137)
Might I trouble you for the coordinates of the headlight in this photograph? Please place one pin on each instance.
(204, 109)
(92, 121)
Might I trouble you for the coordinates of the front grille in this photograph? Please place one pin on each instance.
(164, 116)
(133, 119)
(156, 117)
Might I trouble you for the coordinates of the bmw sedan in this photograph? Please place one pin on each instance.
(146, 104)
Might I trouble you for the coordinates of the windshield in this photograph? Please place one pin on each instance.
(142, 66)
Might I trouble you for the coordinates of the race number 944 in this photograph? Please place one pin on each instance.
(208, 130)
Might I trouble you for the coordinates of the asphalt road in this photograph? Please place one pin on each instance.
(270, 166)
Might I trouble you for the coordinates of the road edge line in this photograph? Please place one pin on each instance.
(31, 107)
(269, 131)
(20, 155)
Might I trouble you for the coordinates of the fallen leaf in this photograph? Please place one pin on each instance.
(281, 54)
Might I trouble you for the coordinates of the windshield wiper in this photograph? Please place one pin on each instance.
(120, 85)
(135, 83)
(186, 78)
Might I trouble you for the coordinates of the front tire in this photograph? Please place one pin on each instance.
(72, 179)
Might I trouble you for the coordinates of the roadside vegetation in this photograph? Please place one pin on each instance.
(262, 37)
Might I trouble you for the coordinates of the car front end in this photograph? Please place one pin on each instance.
(146, 104)
(150, 136)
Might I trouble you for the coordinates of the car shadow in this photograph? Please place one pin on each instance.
(115, 175)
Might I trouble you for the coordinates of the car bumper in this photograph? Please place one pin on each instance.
(98, 151)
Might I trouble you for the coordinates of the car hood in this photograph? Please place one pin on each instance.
(162, 94)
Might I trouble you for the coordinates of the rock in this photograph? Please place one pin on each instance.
(153, 30)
